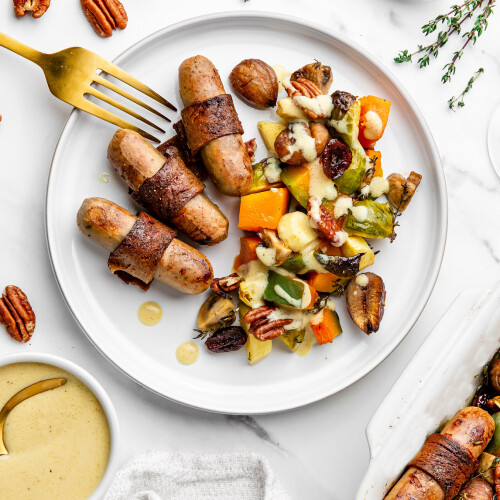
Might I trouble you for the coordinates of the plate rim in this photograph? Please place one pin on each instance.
(441, 187)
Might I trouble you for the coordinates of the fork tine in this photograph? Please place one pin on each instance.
(125, 77)
(106, 115)
(123, 93)
(121, 107)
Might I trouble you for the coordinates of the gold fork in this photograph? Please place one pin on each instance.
(71, 74)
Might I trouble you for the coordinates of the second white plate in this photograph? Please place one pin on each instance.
(107, 310)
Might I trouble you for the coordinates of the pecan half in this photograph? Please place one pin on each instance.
(227, 284)
(269, 330)
(105, 15)
(16, 314)
(260, 326)
(328, 227)
(257, 313)
(36, 7)
(303, 87)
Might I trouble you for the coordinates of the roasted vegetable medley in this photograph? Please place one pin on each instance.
(316, 200)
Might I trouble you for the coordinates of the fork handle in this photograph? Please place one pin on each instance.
(21, 49)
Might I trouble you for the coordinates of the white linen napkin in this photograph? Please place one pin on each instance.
(161, 475)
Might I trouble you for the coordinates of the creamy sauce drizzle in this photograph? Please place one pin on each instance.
(150, 313)
(322, 105)
(58, 441)
(320, 185)
(187, 353)
(301, 141)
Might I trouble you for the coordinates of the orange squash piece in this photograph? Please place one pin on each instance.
(322, 282)
(375, 163)
(263, 210)
(328, 329)
(248, 248)
(379, 106)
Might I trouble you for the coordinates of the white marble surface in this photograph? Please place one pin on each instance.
(320, 451)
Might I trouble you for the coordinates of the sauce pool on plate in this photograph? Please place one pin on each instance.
(187, 353)
(150, 313)
(58, 441)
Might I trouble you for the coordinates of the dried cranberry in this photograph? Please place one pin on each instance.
(336, 159)
(227, 339)
(481, 397)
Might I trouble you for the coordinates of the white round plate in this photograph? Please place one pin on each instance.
(106, 309)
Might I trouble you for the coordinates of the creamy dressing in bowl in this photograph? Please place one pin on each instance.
(59, 441)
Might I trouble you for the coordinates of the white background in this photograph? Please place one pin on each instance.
(319, 451)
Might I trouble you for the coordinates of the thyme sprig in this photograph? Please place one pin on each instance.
(459, 100)
(405, 196)
(452, 22)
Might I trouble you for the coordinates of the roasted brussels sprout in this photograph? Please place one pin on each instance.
(344, 267)
(494, 445)
(378, 220)
(348, 129)
(342, 102)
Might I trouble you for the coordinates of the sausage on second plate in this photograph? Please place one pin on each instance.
(176, 195)
(179, 266)
(211, 123)
(468, 433)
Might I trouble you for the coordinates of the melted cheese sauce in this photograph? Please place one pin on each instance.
(150, 313)
(373, 126)
(322, 105)
(272, 170)
(320, 185)
(378, 187)
(58, 441)
(309, 340)
(187, 353)
(302, 142)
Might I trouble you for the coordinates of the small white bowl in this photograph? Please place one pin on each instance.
(100, 394)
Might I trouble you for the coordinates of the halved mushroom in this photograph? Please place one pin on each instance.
(366, 300)
(279, 252)
(494, 373)
(301, 143)
(317, 73)
(215, 313)
(401, 190)
(343, 267)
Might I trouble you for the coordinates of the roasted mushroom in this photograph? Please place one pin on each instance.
(366, 300)
(401, 190)
(494, 373)
(274, 249)
(301, 143)
(255, 82)
(215, 313)
(317, 73)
